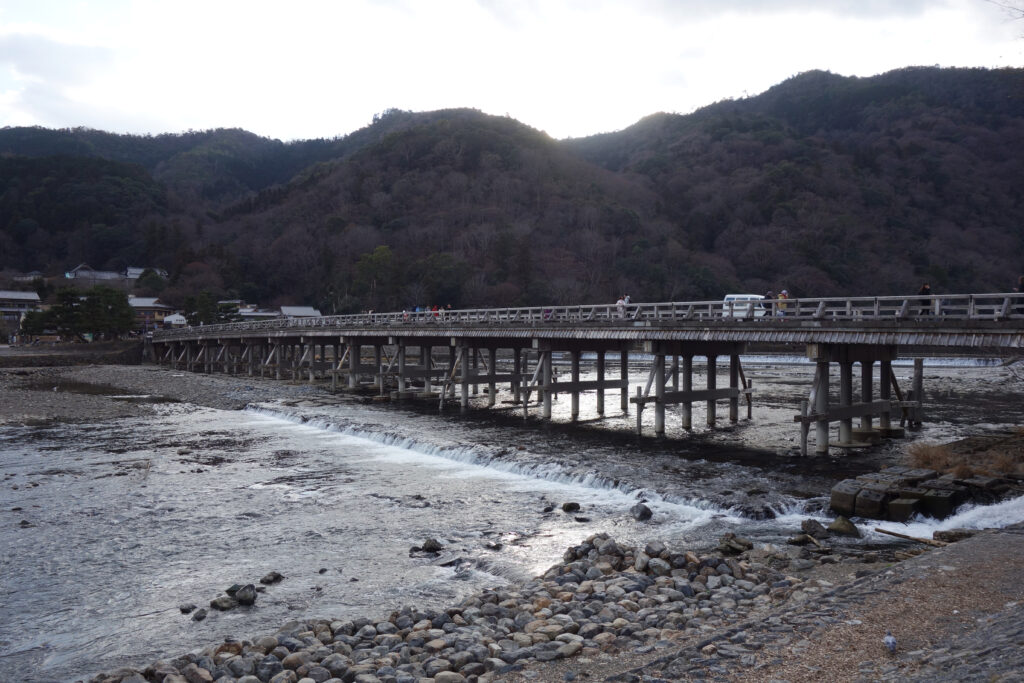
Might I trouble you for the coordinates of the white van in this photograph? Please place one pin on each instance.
(743, 306)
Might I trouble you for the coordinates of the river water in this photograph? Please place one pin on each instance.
(108, 527)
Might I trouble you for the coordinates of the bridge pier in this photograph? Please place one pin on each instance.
(687, 405)
(624, 381)
(712, 384)
(821, 414)
(711, 395)
(545, 362)
(659, 395)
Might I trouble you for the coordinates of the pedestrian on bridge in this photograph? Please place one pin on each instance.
(781, 310)
(926, 304)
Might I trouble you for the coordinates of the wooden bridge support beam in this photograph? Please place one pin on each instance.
(846, 400)
(574, 393)
(425, 365)
(378, 368)
(624, 379)
(517, 374)
(712, 394)
(492, 371)
(821, 407)
(546, 382)
(312, 361)
(734, 383)
(866, 390)
(884, 393)
(659, 395)
(819, 412)
(687, 389)
(355, 349)
(474, 358)
(600, 382)
(465, 371)
(401, 367)
(712, 385)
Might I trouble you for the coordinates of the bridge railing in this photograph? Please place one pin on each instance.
(1000, 306)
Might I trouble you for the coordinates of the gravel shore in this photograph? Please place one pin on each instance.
(608, 611)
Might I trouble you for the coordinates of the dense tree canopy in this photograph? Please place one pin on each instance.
(101, 311)
(825, 185)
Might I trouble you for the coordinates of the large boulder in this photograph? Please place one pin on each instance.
(246, 595)
(814, 529)
(844, 527)
(731, 544)
(641, 512)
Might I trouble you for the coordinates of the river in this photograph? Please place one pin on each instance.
(109, 527)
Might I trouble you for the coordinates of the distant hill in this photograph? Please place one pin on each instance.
(824, 185)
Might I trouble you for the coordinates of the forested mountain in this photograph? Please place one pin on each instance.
(825, 185)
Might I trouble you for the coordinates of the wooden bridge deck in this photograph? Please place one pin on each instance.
(968, 322)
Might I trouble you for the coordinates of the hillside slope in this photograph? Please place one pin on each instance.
(825, 185)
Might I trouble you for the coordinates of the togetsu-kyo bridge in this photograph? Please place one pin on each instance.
(439, 354)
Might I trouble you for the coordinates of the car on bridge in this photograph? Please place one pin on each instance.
(744, 306)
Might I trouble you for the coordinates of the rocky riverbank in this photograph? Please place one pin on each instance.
(658, 614)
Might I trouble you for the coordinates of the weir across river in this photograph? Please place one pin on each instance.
(437, 354)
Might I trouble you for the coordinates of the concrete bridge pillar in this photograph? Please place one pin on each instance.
(425, 352)
(464, 371)
(674, 372)
(474, 363)
(917, 416)
(734, 383)
(712, 383)
(600, 382)
(821, 407)
(574, 359)
(492, 363)
(866, 390)
(885, 393)
(517, 374)
(687, 388)
(659, 394)
(545, 360)
(624, 378)
(355, 349)
(401, 368)
(845, 400)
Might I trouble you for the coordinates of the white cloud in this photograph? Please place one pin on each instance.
(572, 67)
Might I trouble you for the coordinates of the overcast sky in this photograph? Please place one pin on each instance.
(301, 69)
